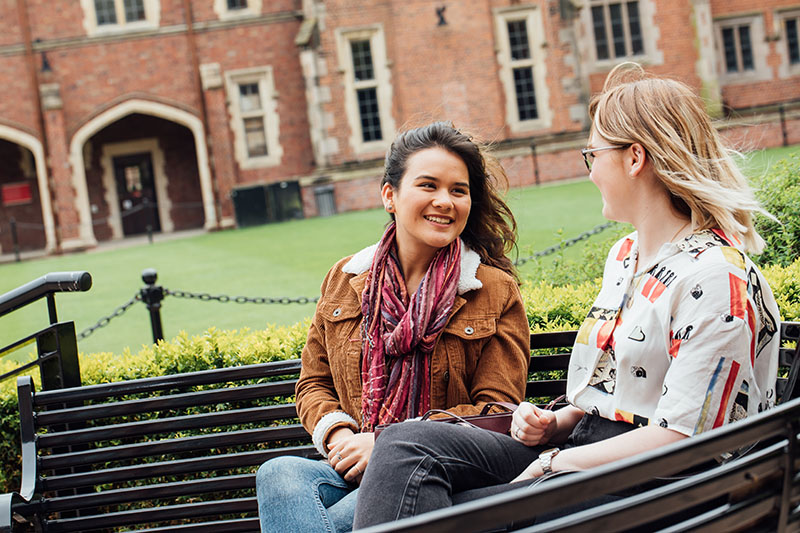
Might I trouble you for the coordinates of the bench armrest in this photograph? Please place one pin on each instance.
(9, 506)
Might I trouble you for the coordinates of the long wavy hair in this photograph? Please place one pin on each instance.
(491, 229)
(687, 153)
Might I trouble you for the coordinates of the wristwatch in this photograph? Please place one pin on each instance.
(546, 460)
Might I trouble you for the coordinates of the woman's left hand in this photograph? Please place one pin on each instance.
(350, 455)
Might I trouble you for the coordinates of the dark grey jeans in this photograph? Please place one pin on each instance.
(418, 467)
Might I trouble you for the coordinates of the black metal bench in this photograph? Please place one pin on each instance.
(179, 452)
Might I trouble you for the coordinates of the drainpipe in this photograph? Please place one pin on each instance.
(187, 8)
(30, 61)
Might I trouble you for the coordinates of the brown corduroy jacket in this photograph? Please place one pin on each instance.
(481, 356)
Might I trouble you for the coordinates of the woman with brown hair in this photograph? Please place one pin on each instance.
(430, 317)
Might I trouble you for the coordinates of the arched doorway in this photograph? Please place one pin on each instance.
(24, 193)
(141, 166)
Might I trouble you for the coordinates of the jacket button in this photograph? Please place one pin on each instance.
(468, 330)
(337, 311)
(446, 376)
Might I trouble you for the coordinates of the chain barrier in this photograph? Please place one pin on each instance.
(223, 298)
(103, 322)
(566, 243)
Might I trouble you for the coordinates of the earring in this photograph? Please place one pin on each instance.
(389, 207)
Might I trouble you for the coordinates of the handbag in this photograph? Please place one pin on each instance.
(497, 422)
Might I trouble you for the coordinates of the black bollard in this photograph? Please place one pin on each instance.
(152, 296)
(15, 238)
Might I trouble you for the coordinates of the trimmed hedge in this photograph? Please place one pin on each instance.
(549, 308)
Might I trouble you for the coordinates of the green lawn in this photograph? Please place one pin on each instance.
(286, 259)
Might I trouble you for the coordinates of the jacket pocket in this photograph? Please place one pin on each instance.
(337, 311)
(471, 328)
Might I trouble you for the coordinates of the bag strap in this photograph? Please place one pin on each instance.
(508, 406)
(448, 413)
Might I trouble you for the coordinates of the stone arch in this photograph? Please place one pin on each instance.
(35, 146)
(109, 116)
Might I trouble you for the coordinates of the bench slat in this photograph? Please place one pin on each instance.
(165, 403)
(153, 492)
(550, 387)
(241, 525)
(173, 468)
(170, 382)
(155, 514)
(169, 446)
(540, 363)
(167, 425)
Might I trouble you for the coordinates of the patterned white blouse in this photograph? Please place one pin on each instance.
(689, 342)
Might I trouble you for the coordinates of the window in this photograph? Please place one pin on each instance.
(617, 29)
(522, 67)
(237, 9)
(254, 118)
(103, 16)
(737, 48)
(362, 56)
(791, 25)
(742, 49)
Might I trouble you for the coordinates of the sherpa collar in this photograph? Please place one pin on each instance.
(468, 280)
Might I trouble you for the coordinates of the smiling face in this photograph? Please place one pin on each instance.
(432, 204)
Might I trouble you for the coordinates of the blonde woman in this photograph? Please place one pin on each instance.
(680, 340)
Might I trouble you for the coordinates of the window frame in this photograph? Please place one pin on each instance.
(787, 68)
(381, 82)
(761, 71)
(648, 26)
(152, 13)
(263, 78)
(532, 17)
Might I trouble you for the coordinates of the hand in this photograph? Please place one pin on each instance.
(532, 426)
(350, 454)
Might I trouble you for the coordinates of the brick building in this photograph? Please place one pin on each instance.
(123, 116)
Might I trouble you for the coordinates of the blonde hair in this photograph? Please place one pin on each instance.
(687, 154)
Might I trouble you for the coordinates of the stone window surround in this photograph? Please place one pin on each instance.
(253, 9)
(160, 180)
(650, 35)
(532, 15)
(761, 70)
(269, 101)
(785, 69)
(152, 12)
(375, 35)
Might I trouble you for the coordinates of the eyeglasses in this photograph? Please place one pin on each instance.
(586, 152)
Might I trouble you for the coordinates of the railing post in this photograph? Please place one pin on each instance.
(782, 114)
(15, 238)
(152, 296)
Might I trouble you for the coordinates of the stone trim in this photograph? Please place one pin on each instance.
(761, 70)
(152, 13)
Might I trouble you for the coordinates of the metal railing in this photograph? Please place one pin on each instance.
(56, 345)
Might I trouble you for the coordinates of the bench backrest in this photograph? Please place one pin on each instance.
(184, 448)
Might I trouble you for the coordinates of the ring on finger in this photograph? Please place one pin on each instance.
(359, 470)
(339, 457)
(516, 433)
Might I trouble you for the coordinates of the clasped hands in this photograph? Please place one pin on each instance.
(348, 453)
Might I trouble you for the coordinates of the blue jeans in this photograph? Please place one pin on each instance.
(296, 494)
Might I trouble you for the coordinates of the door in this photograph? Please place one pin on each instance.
(138, 205)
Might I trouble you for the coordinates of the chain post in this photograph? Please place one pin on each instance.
(152, 296)
(15, 238)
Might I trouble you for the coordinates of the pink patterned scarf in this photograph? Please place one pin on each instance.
(399, 332)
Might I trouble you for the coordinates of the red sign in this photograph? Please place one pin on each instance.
(16, 193)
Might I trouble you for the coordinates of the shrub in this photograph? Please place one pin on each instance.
(779, 193)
